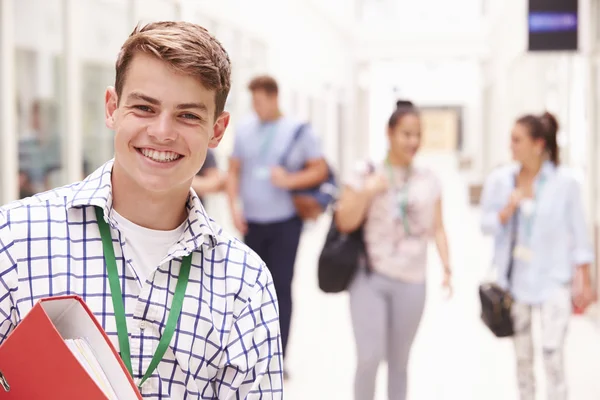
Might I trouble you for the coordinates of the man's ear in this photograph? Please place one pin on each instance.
(219, 129)
(111, 101)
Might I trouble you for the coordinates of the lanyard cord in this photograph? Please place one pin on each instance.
(267, 142)
(401, 196)
(119, 308)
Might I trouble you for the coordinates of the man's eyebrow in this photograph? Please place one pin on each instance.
(151, 100)
(140, 96)
(187, 106)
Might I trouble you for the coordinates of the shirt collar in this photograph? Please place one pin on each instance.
(96, 190)
(548, 168)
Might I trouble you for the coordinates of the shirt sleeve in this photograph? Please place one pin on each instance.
(253, 367)
(8, 281)
(210, 162)
(491, 204)
(355, 179)
(309, 144)
(582, 246)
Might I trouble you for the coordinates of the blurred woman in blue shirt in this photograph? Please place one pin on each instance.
(552, 251)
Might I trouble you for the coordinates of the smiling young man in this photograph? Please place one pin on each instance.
(166, 109)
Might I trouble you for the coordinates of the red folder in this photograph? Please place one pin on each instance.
(36, 363)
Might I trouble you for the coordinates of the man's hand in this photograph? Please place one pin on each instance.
(240, 222)
(280, 177)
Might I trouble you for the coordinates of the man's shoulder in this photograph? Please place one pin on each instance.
(239, 261)
(52, 200)
(247, 125)
(291, 124)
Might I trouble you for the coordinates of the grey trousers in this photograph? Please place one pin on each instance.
(385, 317)
(555, 314)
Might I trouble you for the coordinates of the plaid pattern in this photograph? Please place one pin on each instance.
(227, 343)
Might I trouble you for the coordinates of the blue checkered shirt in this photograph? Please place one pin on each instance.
(227, 342)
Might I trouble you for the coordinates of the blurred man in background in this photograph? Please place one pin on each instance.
(264, 181)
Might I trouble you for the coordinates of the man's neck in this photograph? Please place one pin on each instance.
(151, 210)
(274, 116)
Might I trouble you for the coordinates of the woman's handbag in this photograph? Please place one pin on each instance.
(496, 302)
(341, 257)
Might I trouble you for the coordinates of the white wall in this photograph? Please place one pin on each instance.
(442, 83)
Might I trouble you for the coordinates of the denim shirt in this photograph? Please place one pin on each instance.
(556, 234)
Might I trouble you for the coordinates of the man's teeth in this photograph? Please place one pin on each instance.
(160, 156)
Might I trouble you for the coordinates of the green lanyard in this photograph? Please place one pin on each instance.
(267, 142)
(401, 198)
(529, 218)
(119, 308)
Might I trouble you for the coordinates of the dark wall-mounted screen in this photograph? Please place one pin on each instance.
(553, 25)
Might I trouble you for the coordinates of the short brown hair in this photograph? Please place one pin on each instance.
(188, 48)
(264, 82)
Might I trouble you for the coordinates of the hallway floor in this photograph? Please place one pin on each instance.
(454, 356)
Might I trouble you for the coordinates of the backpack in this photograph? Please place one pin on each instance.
(311, 203)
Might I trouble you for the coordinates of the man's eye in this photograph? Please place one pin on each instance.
(190, 116)
(144, 108)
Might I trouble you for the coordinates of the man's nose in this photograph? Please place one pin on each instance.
(162, 128)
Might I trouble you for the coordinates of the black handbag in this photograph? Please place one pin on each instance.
(340, 259)
(496, 302)
(342, 256)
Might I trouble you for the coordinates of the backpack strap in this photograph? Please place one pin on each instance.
(297, 135)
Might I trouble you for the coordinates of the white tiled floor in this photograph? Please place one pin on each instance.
(453, 357)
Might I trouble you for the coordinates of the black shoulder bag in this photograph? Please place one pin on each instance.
(341, 257)
(496, 303)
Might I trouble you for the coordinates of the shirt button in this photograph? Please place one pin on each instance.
(142, 325)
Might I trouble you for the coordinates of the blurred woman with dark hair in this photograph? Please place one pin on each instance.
(535, 212)
(400, 206)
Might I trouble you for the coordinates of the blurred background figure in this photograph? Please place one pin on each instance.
(536, 214)
(401, 207)
(261, 182)
(39, 149)
(209, 179)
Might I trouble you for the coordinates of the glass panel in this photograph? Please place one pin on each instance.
(3, 102)
(108, 26)
(39, 46)
(155, 10)
(98, 145)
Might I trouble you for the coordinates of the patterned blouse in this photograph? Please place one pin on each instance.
(397, 236)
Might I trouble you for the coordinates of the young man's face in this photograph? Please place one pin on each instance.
(164, 123)
(264, 104)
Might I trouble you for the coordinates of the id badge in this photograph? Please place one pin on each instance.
(261, 173)
(527, 207)
(522, 253)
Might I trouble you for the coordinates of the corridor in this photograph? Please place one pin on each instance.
(454, 356)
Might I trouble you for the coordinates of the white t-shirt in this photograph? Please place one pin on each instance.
(146, 247)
